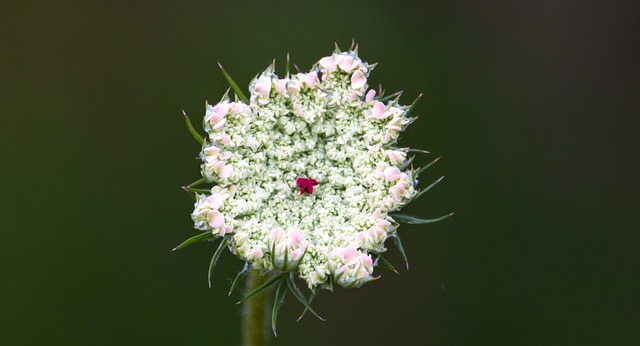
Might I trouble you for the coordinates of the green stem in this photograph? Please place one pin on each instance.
(254, 311)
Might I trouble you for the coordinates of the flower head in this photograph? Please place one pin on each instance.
(307, 173)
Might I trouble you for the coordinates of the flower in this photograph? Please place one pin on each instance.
(307, 173)
(286, 248)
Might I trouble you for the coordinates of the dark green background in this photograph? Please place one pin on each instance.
(534, 108)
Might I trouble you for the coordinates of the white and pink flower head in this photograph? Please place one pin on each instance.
(308, 176)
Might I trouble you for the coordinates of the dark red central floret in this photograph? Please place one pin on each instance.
(306, 185)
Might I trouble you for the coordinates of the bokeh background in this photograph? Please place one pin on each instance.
(532, 105)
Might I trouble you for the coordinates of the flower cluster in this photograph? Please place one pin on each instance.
(307, 172)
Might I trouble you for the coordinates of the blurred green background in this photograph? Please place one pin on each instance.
(533, 106)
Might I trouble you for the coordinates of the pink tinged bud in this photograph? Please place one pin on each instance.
(370, 95)
(218, 166)
(367, 261)
(222, 109)
(276, 235)
(397, 191)
(296, 237)
(383, 224)
(211, 153)
(396, 157)
(215, 201)
(227, 172)
(358, 79)
(343, 269)
(239, 108)
(281, 85)
(393, 127)
(347, 64)
(225, 140)
(235, 107)
(263, 86)
(396, 120)
(226, 155)
(328, 63)
(216, 219)
(310, 79)
(240, 238)
(378, 110)
(296, 254)
(294, 87)
(392, 173)
(228, 229)
(217, 122)
(256, 254)
(349, 254)
(376, 213)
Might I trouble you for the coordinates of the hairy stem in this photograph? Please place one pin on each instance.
(254, 312)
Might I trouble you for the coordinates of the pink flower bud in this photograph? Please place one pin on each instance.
(255, 254)
(396, 157)
(358, 79)
(216, 219)
(310, 79)
(226, 155)
(281, 84)
(328, 63)
(222, 108)
(276, 235)
(392, 173)
(347, 63)
(215, 201)
(370, 95)
(350, 254)
(217, 122)
(379, 110)
(226, 172)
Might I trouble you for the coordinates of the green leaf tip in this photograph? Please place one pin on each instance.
(413, 105)
(296, 293)
(233, 84)
(197, 182)
(193, 240)
(398, 242)
(277, 302)
(314, 292)
(395, 95)
(418, 151)
(240, 275)
(427, 188)
(421, 170)
(412, 220)
(354, 46)
(192, 130)
(288, 65)
(214, 259)
(406, 163)
(381, 262)
(194, 190)
(226, 94)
